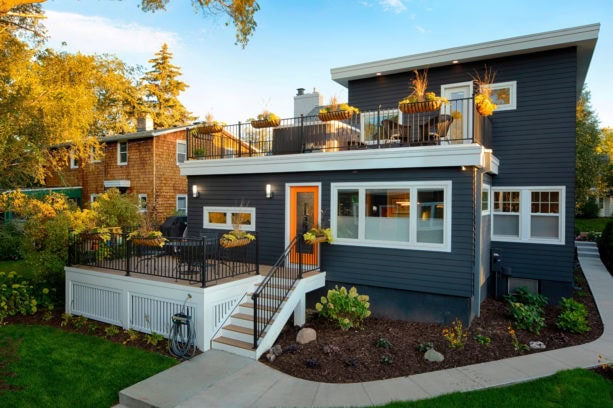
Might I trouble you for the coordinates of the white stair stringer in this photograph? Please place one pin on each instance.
(236, 335)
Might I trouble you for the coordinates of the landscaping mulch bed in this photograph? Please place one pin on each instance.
(353, 356)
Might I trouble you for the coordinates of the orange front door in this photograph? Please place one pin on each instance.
(303, 215)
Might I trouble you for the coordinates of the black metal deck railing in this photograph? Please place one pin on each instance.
(455, 122)
(198, 260)
(297, 259)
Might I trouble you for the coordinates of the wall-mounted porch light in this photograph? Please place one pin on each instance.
(195, 192)
(268, 191)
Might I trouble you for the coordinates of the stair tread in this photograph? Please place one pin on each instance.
(260, 307)
(264, 296)
(234, 343)
(239, 329)
(244, 316)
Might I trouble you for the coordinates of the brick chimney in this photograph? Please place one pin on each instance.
(144, 123)
(305, 102)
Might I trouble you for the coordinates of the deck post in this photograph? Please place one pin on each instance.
(128, 243)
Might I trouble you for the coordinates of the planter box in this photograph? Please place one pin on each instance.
(416, 107)
(265, 123)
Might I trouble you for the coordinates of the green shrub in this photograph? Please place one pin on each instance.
(589, 209)
(347, 308)
(527, 317)
(19, 296)
(573, 317)
(153, 338)
(10, 241)
(522, 295)
(483, 339)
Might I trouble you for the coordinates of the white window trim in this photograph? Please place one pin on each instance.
(74, 164)
(414, 187)
(92, 155)
(184, 143)
(93, 197)
(525, 213)
(119, 162)
(512, 85)
(184, 196)
(488, 188)
(140, 197)
(228, 211)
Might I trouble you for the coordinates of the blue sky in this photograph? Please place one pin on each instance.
(297, 42)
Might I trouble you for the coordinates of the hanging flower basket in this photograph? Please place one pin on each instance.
(150, 242)
(335, 115)
(417, 107)
(318, 239)
(207, 129)
(265, 123)
(226, 243)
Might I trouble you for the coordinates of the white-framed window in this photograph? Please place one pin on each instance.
(533, 214)
(410, 215)
(181, 151)
(225, 217)
(92, 155)
(504, 95)
(93, 197)
(74, 162)
(142, 202)
(122, 153)
(181, 204)
(486, 192)
(382, 124)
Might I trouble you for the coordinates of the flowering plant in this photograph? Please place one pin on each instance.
(266, 115)
(346, 307)
(311, 235)
(153, 238)
(235, 235)
(418, 90)
(483, 100)
(230, 239)
(334, 106)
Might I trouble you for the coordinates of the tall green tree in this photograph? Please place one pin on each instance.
(162, 89)
(590, 162)
(49, 99)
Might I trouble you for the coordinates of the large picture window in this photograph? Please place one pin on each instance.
(534, 214)
(225, 217)
(397, 215)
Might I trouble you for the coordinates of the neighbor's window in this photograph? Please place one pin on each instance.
(122, 153)
(181, 204)
(504, 95)
(397, 215)
(93, 153)
(533, 214)
(226, 217)
(74, 163)
(181, 151)
(142, 202)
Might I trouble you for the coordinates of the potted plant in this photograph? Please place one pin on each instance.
(419, 100)
(336, 111)
(236, 237)
(316, 235)
(146, 237)
(199, 153)
(210, 125)
(483, 100)
(266, 119)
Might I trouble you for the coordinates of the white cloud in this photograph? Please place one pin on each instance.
(397, 6)
(98, 35)
(420, 29)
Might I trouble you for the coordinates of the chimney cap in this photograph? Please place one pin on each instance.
(300, 91)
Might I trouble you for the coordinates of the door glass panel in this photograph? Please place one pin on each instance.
(304, 210)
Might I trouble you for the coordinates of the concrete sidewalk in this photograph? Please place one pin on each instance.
(220, 379)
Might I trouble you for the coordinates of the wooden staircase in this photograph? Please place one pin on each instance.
(236, 336)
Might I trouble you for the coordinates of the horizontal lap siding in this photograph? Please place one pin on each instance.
(421, 271)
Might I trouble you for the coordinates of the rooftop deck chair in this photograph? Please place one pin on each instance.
(435, 129)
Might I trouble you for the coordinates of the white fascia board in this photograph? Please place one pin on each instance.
(584, 37)
(391, 158)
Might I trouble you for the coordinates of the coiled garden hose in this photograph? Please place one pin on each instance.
(182, 335)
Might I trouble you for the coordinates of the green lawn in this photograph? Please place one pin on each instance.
(591, 224)
(573, 388)
(54, 368)
(20, 267)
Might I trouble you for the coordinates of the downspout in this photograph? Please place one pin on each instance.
(477, 240)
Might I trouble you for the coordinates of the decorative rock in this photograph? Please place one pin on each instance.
(277, 350)
(433, 356)
(271, 357)
(537, 345)
(306, 335)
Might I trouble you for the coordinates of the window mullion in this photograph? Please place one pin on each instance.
(361, 214)
(413, 215)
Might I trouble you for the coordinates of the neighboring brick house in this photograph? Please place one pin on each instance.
(143, 163)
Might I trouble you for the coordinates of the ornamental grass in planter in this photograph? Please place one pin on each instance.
(419, 100)
(266, 119)
(336, 111)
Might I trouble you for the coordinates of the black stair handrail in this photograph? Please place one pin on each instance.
(275, 285)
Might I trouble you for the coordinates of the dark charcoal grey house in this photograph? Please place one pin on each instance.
(418, 202)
